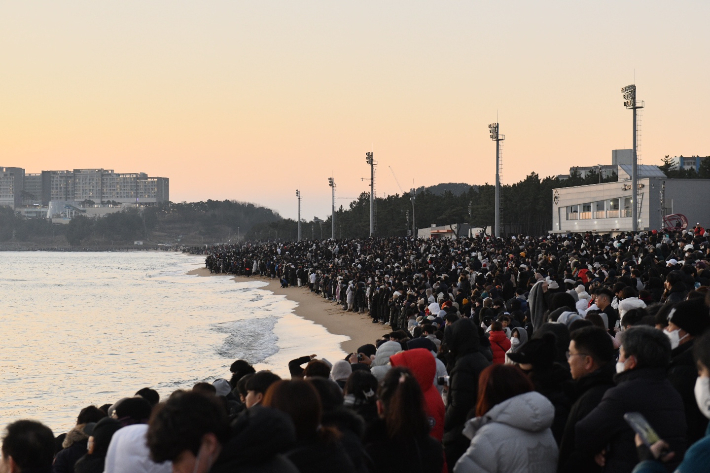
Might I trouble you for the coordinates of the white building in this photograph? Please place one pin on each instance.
(607, 207)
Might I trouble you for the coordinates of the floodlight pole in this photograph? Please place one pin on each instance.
(497, 137)
(369, 157)
(630, 103)
(331, 183)
(298, 194)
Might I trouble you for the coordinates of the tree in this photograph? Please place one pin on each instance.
(704, 169)
(78, 229)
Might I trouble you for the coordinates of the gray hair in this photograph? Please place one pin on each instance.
(648, 345)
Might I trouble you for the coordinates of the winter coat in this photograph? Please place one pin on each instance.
(259, 438)
(423, 367)
(464, 369)
(352, 428)
(644, 390)
(90, 464)
(74, 448)
(588, 391)
(682, 374)
(381, 365)
(318, 456)
(677, 293)
(499, 345)
(514, 436)
(415, 454)
(538, 305)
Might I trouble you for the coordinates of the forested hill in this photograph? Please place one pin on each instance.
(526, 208)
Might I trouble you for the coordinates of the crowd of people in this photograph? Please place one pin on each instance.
(565, 353)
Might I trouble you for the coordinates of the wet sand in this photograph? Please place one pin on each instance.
(358, 327)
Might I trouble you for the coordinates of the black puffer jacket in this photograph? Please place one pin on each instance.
(644, 390)
(465, 366)
(260, 437)
(412, 455)
(682, 374)
(352, 429)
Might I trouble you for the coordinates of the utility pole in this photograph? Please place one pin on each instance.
(414, 219)
(497, 137)
(298, 194)
(630, 103)
(369, 157)
(331, 183)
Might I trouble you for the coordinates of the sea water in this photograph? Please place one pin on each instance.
(90, 328)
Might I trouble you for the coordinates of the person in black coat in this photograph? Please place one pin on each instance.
(399, 440)
(99, 439)
(591, 361)
(465, 366)
(641, 386)
(687, 321)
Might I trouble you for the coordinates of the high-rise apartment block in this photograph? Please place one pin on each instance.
(18, 189)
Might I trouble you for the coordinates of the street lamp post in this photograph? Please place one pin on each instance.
(630, 103)
(331, 183)
(497, 137)
(298, 194)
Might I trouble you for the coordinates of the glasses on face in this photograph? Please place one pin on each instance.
(570, 355)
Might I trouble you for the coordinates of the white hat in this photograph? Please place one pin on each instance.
(672, 262)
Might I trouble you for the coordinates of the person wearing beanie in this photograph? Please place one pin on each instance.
(537, 359)
(687, 320)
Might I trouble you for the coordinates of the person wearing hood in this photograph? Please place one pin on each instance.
(191, 430)
(441, 372)
(128, 452)
(99, 439)
(381, 364)
(423, 367)
(76, 440)
(465, 366)
(511, 430)
(518, 338)
(687, 321)
(499, 342)
(591, 360)
(342, 369)
(537, 302)
(641, 386)
(550, 378)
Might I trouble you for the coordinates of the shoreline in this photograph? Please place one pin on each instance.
(358, 327)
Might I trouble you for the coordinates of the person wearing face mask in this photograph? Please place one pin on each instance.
(687, 321)
(697, 458)
(641, 386)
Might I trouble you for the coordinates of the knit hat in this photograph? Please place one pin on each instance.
(691, 316)
(222, 386)
(536, 352)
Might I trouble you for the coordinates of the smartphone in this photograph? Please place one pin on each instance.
(641, 426)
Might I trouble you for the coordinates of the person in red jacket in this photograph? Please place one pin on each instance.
(421, 363)
(499, 342)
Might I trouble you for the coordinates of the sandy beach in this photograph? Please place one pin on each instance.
(358, 327)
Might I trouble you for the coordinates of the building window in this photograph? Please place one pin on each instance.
(612, 208)
(627, 207)
(586, 213)
(599, 211)
(573, 212)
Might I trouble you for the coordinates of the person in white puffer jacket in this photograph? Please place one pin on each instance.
(629, 301)
(511, 432)
(381, 364)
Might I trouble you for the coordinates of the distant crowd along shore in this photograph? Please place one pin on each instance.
(558, 354)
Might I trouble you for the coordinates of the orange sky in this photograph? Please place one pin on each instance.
(251, 100)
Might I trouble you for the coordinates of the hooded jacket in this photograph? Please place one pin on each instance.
(423, 367)
(499, 345)
(465, 367)
(381, 365)
(74, 448)
(259, 438)
(630, 303)
(128, 453)
(514, 436)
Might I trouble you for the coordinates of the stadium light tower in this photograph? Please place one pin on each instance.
(497, 137)
(331, 183)
(298, 194)
(630, 103)
(370, 158)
